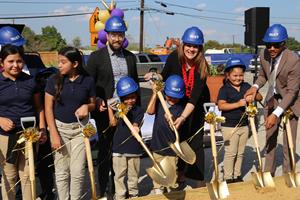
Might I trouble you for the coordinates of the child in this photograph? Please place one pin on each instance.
(69, 94)
(235, 129)
(19, 97)
(162, 133)
(126, 149)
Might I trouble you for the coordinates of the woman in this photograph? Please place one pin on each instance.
(188, 61)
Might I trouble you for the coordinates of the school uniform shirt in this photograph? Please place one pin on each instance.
(123, 142)
(73, 95)
(17, 99)
(162, 133)
(231, 95)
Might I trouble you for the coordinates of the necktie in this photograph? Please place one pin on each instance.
(271, 82)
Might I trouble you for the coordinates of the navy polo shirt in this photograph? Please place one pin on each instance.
(17, 98)
(123, 141)
(231, 95)
(73, 95)
(162, 133)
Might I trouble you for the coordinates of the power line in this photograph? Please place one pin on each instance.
(58, 2)
(47, 16)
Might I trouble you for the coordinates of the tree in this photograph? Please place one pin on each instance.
(76, 42)
(293, 44)
(51, 39)
(213, 44)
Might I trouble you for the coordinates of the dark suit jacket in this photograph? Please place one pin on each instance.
(99, 67)
(287, 78)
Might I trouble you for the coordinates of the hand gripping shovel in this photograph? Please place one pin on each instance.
(260, 179)
(89, 130)
(30, 135)
(292, 179)
(183, 149)
(216, 189)
(162, 173)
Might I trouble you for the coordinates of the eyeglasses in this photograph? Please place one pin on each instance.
(115, 36)
(192, 46)
(276, 45)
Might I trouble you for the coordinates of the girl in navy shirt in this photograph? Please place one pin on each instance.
(19, 97)
(162, 133)
(69, 94)
(235, 129)
(126, 149)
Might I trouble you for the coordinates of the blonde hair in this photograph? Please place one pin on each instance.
(199, 61)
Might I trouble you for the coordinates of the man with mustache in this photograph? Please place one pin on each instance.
(107, 65)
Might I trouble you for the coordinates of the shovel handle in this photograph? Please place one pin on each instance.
(90, 166)
(87, 118)
(28, 119)
(290, 142)
(206, 105)
(137, 136)
(31, 169)
(214, 150)
(254, 135)
(167, 111)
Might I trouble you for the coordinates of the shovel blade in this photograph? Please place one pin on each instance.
(289, 180)
(163, 173)
(218, 190)
(268, 179)
(297, 179)
(184, 151)
(257, 179)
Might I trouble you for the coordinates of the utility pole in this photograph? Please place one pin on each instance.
(233, 40)
(142, 27)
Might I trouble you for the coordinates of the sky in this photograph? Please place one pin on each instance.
(220, 20)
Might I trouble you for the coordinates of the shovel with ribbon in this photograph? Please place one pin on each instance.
(89, 130)
(260, 179)
(161, 172)
(292, 179)
(216, 189)
(30, 135)
(182, 149)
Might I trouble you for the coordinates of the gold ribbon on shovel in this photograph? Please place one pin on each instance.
(260, 179)
(88, 130)
(292, 179)
(216, 189)
(30, 135)
(182, 149)
(161, 172)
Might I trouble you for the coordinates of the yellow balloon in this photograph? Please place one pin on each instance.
(126, 24)
(99, 26)
(103, 15)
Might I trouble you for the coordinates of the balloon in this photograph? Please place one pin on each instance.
(99, 26)
(125, 43)
(100, 44)
(117, 12)
(126, 24)
(103, 15)
(102, 36)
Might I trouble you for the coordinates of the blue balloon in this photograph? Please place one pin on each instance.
(117, 12)
(125, 43)
(100, 45)
(102, 36)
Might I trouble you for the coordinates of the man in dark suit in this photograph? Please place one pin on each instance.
(281, 68)
(107, 65)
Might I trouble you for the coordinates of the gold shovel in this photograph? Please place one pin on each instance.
(292, 179)
(183, 149)
(162, 173)
(260, 179)
(89, 130)
(216, 189)
(30, 135)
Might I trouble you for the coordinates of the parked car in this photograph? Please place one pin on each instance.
(148, 62)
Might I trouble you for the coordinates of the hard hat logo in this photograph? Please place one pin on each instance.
(117, 24)
(273, 34)
(125, 87)
(15, 38)
(194, 36)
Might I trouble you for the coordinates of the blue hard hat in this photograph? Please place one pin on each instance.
(126, 85)
(275, 33)
(193, 35)
(174, 87)
(115, 24)
(10, 35)
(234, 62)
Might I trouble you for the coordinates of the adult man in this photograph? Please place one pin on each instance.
(281, 68)
(107, 65)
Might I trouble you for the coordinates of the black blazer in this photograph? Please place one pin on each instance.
(99, 66)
